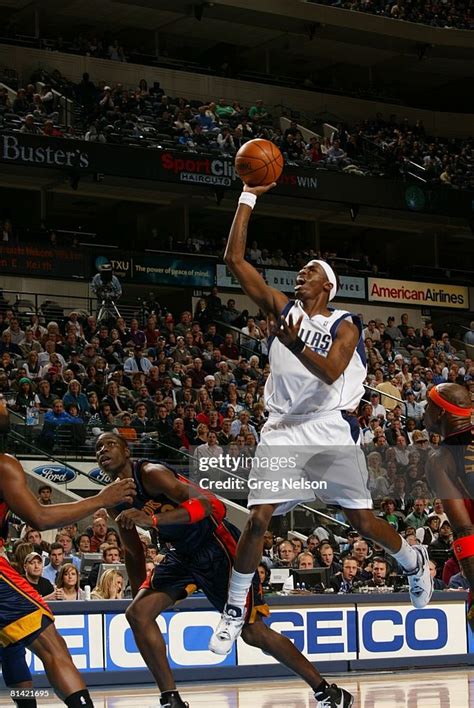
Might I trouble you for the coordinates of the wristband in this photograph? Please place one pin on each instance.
(248, 199)
(154, 521)
(297, 346)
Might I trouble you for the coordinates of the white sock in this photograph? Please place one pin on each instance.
(238, 588)
(406, 556)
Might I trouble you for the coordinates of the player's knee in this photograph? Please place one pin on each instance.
(134, 616)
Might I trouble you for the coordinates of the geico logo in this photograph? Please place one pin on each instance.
(318, 631)
(420, 630)
(186, 635)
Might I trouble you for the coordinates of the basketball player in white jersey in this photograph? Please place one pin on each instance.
(318, 366)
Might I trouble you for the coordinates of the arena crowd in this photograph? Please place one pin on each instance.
(146, 117)
(187, 386)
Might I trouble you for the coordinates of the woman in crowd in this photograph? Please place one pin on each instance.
(32, 366)
(68, 582)
(109, 587)
(74, 395)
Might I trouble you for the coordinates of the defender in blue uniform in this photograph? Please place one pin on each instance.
(203, 544)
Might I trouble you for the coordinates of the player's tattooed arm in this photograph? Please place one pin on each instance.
(268, 299)
(329, 368)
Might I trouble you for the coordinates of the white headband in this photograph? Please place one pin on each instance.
(331, 276)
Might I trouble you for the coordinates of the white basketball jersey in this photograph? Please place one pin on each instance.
(291, 389)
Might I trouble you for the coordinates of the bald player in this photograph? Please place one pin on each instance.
(450, 468)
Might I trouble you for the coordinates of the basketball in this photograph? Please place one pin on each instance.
(259, 162)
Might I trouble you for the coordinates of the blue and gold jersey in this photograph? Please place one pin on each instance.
(185, 538)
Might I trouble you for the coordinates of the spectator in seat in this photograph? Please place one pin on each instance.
(438, 584)
(74, 395)
(67, 584)
(428, 533)
(110, 586)
(343, 582)
(29, 126)
(326, 557)
(138, 362)
(286, 555)
(99, 533)
(33, 570)
(56, 559)
(418, 517)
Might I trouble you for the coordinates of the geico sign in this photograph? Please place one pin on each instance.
(186, 635)
(13, 151)
(385, 631)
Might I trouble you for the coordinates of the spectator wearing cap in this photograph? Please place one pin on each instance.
(445, 537)
(33, 567)
(377, 408)
(138, 362)
(413, 409)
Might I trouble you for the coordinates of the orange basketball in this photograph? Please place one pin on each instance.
(259, 162)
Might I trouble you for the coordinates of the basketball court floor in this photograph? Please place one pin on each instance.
(417, 689)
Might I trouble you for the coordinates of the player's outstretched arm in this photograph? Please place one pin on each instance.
(20, 499)
(329, 368)
(134, 555)
(157, 479)
(268, 299)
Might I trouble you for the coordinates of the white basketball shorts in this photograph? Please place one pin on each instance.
(301, 458)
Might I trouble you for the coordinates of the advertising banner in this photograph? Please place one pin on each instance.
(42, 261)
(284, 280)
(404, 292)
(158, 269)
(105, 642)
(387, 631)
(161, 269)
(214, 171)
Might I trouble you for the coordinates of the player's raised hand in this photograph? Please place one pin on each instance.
(258, 191)
(122, 491)
(287, 332)
(134, 517)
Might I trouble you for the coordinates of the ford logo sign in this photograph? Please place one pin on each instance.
(99, 475)
(56, 473)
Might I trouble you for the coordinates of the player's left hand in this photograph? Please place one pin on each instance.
(287, 332)
(134, 517)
